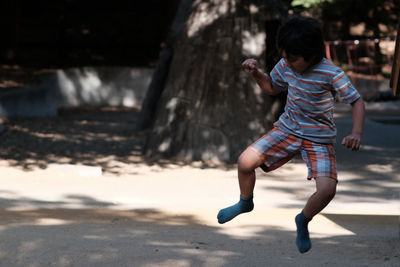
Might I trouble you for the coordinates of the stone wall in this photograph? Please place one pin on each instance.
(87, 86)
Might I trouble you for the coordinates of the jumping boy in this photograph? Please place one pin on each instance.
(306, 126)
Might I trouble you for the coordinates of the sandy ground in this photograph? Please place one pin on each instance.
(76, 192)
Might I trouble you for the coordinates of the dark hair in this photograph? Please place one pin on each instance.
(301, 36)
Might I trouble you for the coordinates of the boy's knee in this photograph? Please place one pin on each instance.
(243, 164)
(248, 162)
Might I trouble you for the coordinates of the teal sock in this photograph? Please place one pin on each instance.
(227, 214)
(303, 241)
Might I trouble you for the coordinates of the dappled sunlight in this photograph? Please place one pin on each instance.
(359, 189)
(256, 125)
(380, 168)
(77, 190)
(242, 231)
(156, 238)
(171, 106)
(253, 45)
(50, 221)
(164, 146)
(100, 136)
(320, 225)
(379, 149)
(100, 229)
(67, 87)
(115, 86)
(207, 13)
(169, 238)
(89, 80)
(59, 216)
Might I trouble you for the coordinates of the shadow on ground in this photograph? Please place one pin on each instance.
(370, 175)
(104, 237)
(375, 168)
(106, 137)
(103, 137)
(94, 136)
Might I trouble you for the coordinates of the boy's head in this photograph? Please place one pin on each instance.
(302, 37)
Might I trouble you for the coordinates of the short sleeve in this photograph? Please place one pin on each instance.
(344, 88)
(278, 76)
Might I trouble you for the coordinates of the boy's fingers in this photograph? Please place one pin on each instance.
(248, 65)
(355, 146)
(345, 142)
(351, 143)
(250, 62)
(245, 66)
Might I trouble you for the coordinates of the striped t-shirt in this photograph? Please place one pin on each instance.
(311, 99)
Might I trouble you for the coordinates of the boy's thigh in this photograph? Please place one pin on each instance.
(276, 148)
(320, 160)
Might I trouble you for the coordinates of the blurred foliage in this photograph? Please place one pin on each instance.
(379, 17)
(307, 3)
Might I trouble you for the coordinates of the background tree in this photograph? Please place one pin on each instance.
(210, 109)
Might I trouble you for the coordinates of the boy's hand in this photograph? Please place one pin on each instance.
(352, 141)
(263, 80)
(250, 66)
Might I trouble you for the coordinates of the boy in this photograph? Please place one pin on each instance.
(306, 126)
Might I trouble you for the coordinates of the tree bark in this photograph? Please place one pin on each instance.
(160, 74)
(210, 108)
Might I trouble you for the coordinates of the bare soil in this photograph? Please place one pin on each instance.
(94, 136)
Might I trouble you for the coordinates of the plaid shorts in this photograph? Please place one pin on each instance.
(277, 147)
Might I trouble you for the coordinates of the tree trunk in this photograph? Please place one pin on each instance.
(210, 109)
(160, 75)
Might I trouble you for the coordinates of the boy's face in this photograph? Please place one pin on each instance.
(297, 63)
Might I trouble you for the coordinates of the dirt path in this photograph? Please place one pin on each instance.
(57, 208)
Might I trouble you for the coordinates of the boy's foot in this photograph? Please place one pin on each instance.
(303, 241)
(227, 214)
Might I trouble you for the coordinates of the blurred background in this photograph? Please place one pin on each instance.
(169, 71)
(67, 33)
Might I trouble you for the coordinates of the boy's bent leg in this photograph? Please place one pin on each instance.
(326, 189)
(248, 161)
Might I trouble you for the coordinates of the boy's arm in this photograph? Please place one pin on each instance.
(262, 79)
(353, 140)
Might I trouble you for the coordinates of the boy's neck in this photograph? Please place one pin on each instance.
(313, 62)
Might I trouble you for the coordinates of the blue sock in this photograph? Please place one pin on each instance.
(303, 241)
(227, 214)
